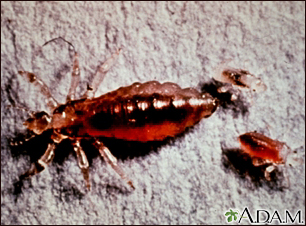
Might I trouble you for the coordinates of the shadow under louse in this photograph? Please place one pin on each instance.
(238, 107)
(240, 163)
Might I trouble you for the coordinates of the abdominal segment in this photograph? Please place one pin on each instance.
(146, 117)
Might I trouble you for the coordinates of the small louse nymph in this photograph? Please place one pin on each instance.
(238, 78)
(266, 151)
(141, 112)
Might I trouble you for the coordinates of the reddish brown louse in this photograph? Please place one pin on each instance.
(264, 150)
(139, 112)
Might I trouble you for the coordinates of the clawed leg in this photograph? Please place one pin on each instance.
(82, 161)
(42, 163)
(269, 169)
(112, 161)
(268, 172)
(51, 102)
(75, 78)
(229, 88)
(99, 76)
(27, 137)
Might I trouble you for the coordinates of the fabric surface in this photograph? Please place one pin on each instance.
(187, 180)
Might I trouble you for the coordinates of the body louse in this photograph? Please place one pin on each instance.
(143, 112)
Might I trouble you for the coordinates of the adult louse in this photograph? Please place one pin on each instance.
(140, 112)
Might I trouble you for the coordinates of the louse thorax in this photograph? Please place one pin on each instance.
(63, 116)
(38, 123)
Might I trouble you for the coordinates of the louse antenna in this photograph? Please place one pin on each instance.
(54, 39)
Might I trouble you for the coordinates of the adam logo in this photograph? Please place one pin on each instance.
(232, 215)
(264, 217)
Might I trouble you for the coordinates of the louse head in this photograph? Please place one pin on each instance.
(38, 122)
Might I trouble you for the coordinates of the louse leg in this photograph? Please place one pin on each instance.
(225, 88)
(50, 101)
(268, 172)
(229, 87)
(42, 163)
(82, 161)
(28, 136)
(75, 78)
(269, 169)
(99, 76)
(112, 161)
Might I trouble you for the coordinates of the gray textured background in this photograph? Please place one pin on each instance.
(184, 180)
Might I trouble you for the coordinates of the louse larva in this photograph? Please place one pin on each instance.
(266, 151)
(142, 112)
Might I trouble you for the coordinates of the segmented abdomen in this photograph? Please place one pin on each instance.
(260, 146)
(145, 112)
